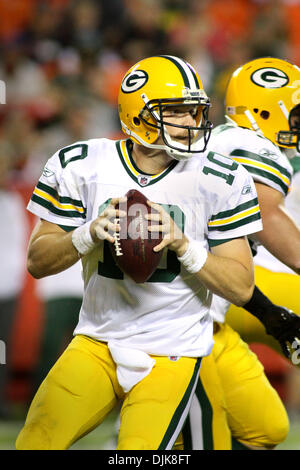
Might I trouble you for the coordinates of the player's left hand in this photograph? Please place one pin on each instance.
(173, 237)
(284, 325)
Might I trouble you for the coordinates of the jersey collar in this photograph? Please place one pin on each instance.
(142, 179)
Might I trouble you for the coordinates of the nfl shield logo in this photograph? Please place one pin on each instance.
(143, 180)
(174, 358)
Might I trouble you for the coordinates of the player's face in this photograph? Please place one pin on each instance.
(181, 115)
(294, 121)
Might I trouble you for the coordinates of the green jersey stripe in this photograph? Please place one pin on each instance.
(118, 147)
(48, 205)
(270, 176)
(67, 228)
(62, 199)
(129, 151)
(238, 223)
(152, 178)
(236, 210)
(212, 242)
(260, 158)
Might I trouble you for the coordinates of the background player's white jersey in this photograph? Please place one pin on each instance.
(265, 162)
(210, 197)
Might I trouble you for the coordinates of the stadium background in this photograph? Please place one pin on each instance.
(62, 62)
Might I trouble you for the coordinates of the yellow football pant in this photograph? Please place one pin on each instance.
(254, 411)
(82, 388)
(282, 289)
(242, 401)
(206, 427)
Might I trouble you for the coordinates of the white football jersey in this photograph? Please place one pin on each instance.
(265, 162)
(209, 196)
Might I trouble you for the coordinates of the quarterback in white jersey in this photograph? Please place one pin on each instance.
(141, 343)
(263, 115)
(79, 181)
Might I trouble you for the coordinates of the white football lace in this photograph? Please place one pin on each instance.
(117, 244)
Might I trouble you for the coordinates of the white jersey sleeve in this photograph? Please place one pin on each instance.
(59, 195)
(260, 157)
(235, 211)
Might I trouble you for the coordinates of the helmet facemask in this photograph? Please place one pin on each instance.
(149, 88)
(198, 135)
(291, 138)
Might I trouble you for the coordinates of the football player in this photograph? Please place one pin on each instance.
(141, 343)
(261, 132)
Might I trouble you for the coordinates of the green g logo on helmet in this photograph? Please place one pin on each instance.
(270, 77)
(134, 81)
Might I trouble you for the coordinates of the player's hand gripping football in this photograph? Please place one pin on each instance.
(173, 237)
(107, 223)
(283, 325)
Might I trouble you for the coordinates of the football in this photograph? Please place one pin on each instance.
(133, 246)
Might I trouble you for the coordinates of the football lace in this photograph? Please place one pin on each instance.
(116, 236)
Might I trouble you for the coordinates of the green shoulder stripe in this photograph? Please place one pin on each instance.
(62, 199)
(236, 210)
(55, 210)
(236, 224)
(270, 176)
(262, 159)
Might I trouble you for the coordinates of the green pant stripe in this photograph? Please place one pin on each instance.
(205, 423)
(182, 410)
(207, 417)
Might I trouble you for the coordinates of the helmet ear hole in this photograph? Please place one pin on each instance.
(255, 110)
(265, 114)
(136, 121)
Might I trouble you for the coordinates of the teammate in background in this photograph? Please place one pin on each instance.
(282, 285)
(263, 124)
(142, 343)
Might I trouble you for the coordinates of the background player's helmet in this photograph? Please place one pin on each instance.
(151, 85)
(260, 96)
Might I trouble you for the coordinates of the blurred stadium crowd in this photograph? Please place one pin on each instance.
(62, 62)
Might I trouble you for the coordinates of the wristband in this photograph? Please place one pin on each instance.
(82, 239)
(194, 258)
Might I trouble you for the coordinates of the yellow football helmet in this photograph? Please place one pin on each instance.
(147, 89)
(262, 95)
